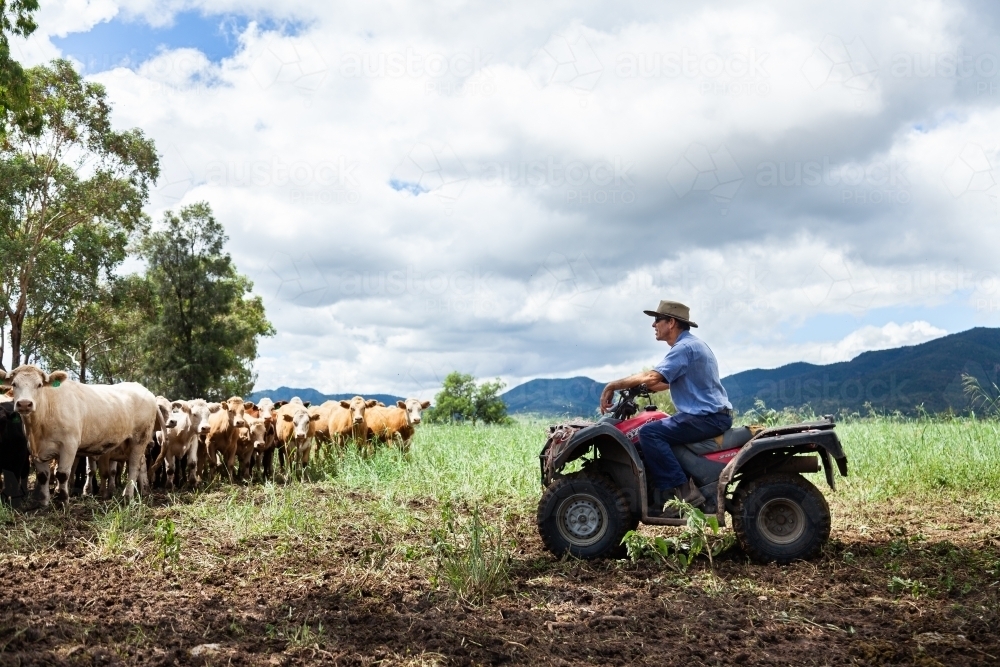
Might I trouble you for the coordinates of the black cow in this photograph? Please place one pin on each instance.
(13, 456)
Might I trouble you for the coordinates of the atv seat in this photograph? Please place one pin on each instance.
(703, 470)
(731, 439)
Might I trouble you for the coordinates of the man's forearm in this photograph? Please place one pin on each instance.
(649, 378)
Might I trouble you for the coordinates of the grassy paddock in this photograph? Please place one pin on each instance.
(394, 502)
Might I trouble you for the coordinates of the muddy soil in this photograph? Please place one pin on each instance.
(924, 592)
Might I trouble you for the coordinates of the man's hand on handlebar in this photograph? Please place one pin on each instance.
(653, 380)
(607, 398)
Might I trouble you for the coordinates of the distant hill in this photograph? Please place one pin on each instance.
(898, 379)
(315, 397)
(575, 397)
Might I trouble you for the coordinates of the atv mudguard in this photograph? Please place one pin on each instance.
(617, 458)
(797, 439)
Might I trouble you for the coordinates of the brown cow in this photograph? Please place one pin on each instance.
(252, 439)
(63, 418)
(324, 411)
(223, 434)
(389, 423)
(347, 420)
(295, 428)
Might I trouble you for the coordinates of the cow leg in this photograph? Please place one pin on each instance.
(42, 482)
(192, 465)
(67, 455)
(79, 475)
(172, 467)
(91, 476)
(136, 457)
(109, 474)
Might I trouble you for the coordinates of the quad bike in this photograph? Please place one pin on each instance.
(778, 515)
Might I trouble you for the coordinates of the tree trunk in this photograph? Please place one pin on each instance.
(83, 363)
(16, 322)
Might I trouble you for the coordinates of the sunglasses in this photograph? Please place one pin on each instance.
(662, 318)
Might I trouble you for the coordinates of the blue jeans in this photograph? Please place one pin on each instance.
(656, 437)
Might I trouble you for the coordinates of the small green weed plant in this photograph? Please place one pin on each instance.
(701, 535)
(168, 543)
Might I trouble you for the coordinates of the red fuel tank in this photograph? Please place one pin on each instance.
(630, 427)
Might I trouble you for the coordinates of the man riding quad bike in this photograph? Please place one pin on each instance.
(633, 463)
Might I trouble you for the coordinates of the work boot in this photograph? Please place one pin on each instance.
(687, 492)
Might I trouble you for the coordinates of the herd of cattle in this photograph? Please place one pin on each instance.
(79, 428)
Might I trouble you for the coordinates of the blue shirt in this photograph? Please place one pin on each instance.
(693, 374)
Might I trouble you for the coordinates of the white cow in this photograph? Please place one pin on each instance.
(187, 421)
(63, 417)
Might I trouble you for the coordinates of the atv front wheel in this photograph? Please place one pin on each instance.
(584, 514)
(780, 517)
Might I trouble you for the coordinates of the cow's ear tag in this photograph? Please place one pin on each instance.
(56, 383)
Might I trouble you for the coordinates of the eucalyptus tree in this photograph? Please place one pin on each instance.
(72, 191)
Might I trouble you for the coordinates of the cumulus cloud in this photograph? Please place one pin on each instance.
(421, 190)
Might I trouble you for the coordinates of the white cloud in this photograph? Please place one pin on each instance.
(548, 216)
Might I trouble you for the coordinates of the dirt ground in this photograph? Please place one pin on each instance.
(923, 592)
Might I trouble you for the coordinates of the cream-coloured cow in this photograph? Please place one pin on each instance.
(295, 428)
(63, 417)
(187, 421)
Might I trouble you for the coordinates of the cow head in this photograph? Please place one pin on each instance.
(257, 432)
(357, 406)
(301, 420)
(265, 409)
(26, 381)
(237, 416)
(413, 407)
(180, 416)
(200, 412)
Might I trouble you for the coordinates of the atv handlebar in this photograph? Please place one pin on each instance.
(626, 407)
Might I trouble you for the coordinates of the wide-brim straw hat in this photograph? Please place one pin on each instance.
(673, 309)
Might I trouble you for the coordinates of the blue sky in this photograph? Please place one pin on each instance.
(131, 41)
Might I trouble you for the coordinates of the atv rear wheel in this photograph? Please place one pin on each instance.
(780, 517)
(584, 514)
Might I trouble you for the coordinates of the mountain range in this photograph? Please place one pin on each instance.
(903, 378)
(314, 397)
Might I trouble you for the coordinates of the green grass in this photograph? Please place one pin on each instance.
(391, 504)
